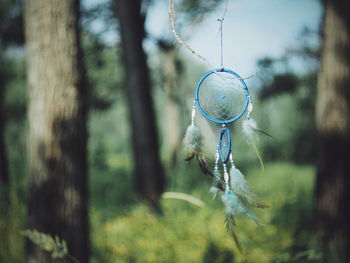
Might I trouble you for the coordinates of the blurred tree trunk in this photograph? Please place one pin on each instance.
(3, 159)
(4, 182)
(149, 174)
(57, 184)
(333, 122)
(173, 127)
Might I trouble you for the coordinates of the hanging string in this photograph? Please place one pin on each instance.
(221, 48)
(221, 20)
(225, 11)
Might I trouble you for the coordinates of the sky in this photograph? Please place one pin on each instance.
(252, 29)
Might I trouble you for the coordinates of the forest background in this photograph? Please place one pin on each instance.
(95, 98)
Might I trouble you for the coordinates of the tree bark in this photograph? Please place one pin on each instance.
(4, 183)
(173, 105)
(4, 177)
(57, 183)
(333, 123)
(149, 175)
(3, 160)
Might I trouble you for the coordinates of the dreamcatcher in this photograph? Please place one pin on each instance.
(222, 97)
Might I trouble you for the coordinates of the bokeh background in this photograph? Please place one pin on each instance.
(138, 91)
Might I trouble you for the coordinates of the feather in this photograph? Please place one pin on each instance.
(203, 165)
(230, 226)
(256, 150)
(193, 146)
(218, 184)
(213, 190)
(190, 157)
(249, 129)
(250, 126)
(241, 188)
(230, 201)
(234, 206)
(193, 140)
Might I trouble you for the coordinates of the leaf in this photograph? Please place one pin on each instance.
(56, 246)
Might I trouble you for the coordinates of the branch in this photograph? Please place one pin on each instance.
(181, 196)
(177, 37)
(189, 48)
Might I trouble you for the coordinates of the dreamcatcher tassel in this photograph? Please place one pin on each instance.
(193, 145)
(241, 189)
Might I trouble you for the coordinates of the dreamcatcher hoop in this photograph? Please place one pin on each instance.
(236, 77)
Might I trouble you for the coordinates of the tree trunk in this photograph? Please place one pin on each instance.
(172, 121)
(4, 183)
(3, 160)
(4, 178)
(149, 175)
(333, 123)
(57, 183)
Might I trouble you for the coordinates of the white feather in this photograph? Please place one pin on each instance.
(241, 188)
(248, 127)
(240, 185)
(214, 190)
(193, 139)
(232, 204)
(234, 207)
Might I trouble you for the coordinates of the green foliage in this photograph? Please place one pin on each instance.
(125, 232)
(281, 83)
(186, 233)
(15, 91)
(289, 117)
(103, 70)
(54, 245)
(12, 203)
(110, 161)
(287, 101)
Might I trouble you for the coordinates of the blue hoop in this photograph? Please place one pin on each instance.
(198, 105)
(224, 132)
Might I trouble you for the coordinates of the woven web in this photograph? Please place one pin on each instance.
(221, 96)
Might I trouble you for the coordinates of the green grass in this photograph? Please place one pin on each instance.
(187, 233)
